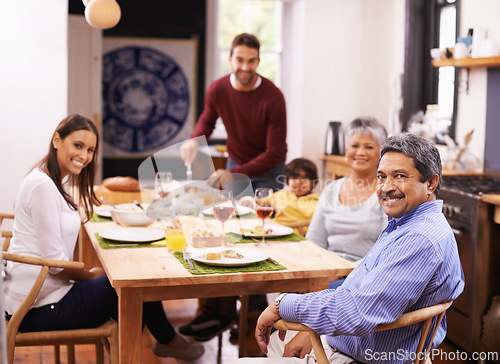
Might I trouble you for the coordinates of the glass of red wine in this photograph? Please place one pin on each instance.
(223, 206)
(264, 208)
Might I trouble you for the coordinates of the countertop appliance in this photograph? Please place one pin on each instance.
(479, 247)
(334, 138)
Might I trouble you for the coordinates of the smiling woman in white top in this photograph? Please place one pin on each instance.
(46, 225)
(348, 218)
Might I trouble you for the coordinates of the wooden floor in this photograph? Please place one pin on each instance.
(179, 312)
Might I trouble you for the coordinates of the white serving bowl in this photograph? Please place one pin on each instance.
(130, 215)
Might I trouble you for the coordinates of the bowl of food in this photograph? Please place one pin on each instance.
(129, 214)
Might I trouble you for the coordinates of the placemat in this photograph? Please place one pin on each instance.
(200, 268)
(98, 218)
(233, 238)
(112, 244)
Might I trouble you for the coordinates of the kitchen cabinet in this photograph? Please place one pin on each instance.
(336, 165)
(494, 200)
(467, 62)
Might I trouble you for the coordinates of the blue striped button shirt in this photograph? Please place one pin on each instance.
(413, 264)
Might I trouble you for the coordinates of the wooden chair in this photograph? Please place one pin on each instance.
(301, 226)
(424, 315)
(6, 234)
(96, 336)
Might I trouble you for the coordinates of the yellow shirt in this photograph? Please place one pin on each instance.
(290, 208)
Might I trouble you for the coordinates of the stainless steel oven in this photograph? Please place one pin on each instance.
(478, 239)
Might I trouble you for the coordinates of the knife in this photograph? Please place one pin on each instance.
(272, 260)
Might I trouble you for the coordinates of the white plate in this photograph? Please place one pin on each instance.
(242, 210)
(104, 211)
(277, 230)
(133, 234)
(250, 256)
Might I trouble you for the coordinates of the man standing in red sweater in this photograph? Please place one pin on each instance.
(253, 111)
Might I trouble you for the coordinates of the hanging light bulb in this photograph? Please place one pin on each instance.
(85, 2)
(102, 14)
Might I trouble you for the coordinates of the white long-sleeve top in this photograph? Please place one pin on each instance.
(45, 226)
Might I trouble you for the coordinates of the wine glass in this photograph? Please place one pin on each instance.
(223, 207)
(264, 208)
(163, 188)
(163, 182)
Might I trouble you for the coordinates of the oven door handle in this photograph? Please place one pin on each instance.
(457, 232)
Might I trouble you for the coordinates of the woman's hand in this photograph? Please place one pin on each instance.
(97, 272)
(80, 275)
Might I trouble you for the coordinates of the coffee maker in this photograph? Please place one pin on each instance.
(334, 138)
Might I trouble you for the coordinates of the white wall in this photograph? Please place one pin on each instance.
(347, 53)
(33, 86)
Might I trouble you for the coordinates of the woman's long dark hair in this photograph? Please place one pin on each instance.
(83, 183)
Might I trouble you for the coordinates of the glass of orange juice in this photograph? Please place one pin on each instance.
(176, 241)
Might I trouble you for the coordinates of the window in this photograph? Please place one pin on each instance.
(263, 18)
(430, 24)
(447, 35)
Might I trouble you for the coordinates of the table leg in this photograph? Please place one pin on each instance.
(85, 252)
(130, 325)
(242, 326)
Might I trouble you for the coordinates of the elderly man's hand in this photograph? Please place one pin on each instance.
(299, 346)
(264, 324)
(188, 151)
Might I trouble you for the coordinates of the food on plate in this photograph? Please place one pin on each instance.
(232, 254)
(256, 230)
(212, 255)
(126, 184)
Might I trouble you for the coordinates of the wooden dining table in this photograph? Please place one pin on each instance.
(142, 274)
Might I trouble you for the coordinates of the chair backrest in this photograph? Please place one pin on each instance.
(18, 316)
(6, 234)
(4, 215)
(425, 315)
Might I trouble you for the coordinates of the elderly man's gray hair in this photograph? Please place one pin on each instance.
(425, 155)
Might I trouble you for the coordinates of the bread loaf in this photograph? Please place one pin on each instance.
(126, 184)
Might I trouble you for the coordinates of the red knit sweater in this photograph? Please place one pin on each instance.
(255, 122)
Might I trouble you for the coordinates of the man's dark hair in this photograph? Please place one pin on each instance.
(245, 39)
(425, 155)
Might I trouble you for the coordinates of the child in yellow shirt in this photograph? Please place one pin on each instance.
(298, 201)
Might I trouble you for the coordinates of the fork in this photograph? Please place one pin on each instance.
(187, 256)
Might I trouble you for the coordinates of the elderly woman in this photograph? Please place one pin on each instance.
(348, 218)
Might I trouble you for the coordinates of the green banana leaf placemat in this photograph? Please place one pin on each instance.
(237, 239)
(111, 244)
(200, 268)
(98, 218)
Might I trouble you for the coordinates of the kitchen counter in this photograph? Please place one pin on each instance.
(494, 200)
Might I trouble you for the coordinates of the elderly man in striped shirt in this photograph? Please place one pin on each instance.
(413, 264)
